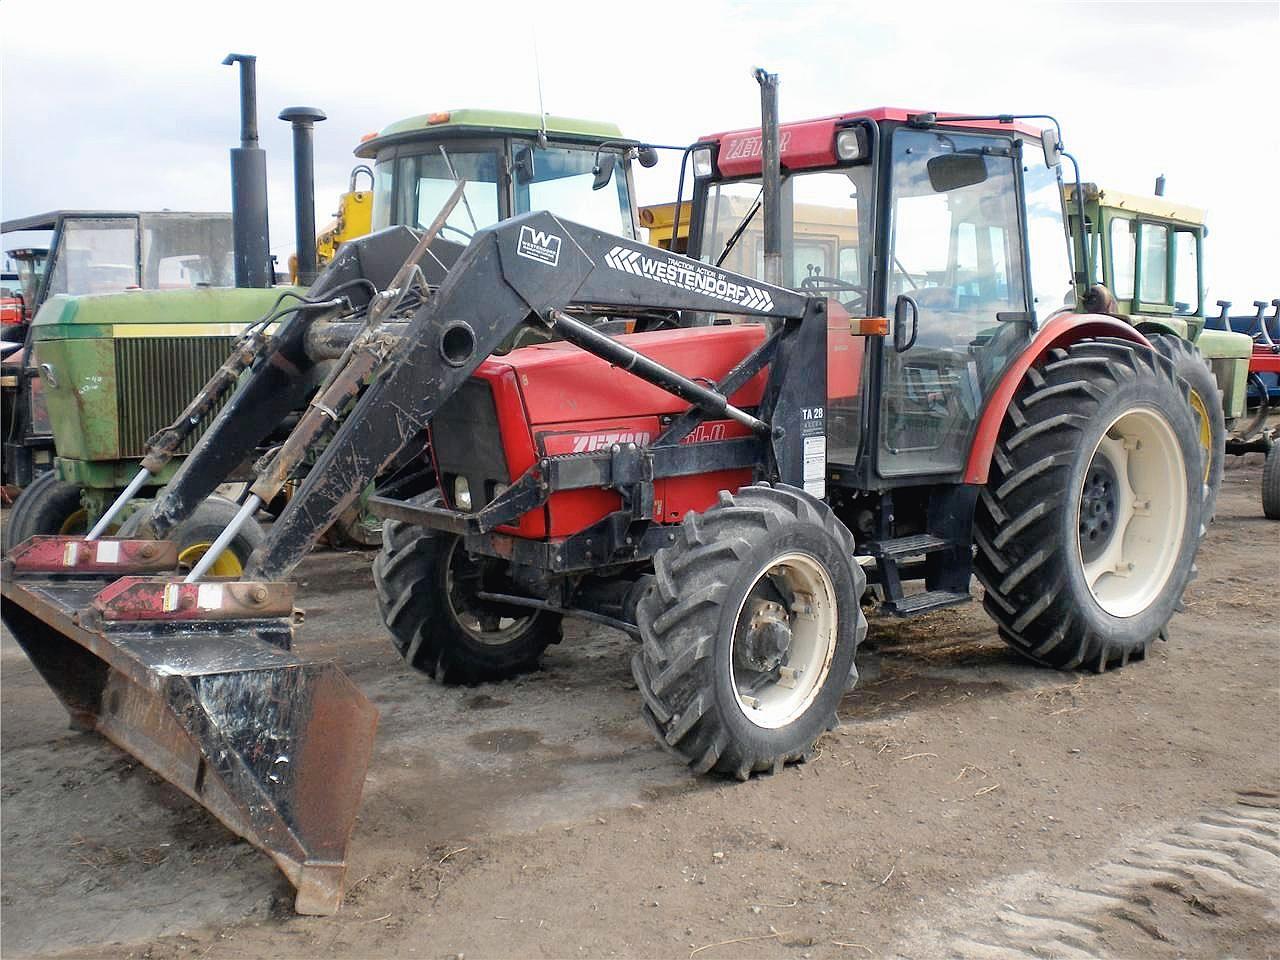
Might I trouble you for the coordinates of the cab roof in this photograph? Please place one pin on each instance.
(47, 221)
(469, 122)
(810, 143)
(1161, 207)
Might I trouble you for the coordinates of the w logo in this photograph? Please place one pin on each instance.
(539, 245)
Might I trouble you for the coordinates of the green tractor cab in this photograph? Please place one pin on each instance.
(1147, 253)
(512, 162)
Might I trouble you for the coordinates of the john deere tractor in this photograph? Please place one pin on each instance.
(113, 369)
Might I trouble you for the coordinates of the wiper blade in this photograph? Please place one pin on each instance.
(454, 173)
(741, 228)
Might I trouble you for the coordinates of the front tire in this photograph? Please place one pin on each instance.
(1089, 523)
(194, 535)
(1271, 484)
(750, 631)
(426, 584)
(47, 506)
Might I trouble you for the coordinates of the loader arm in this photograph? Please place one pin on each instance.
(282, 379)
(529, 270)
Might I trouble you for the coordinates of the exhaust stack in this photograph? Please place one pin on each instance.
(304, 120)
(249, 186)
(770, 176)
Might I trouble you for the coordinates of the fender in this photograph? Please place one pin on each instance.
(1061, 330)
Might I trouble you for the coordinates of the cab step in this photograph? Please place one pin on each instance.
(918, 603)
(900, 547)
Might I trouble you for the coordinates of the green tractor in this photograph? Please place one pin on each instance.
(116, 368)
(1144, 261)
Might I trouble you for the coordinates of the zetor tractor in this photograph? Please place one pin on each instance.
(893, 386)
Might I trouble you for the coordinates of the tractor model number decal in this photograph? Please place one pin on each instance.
(697, 279)
(591, 442)
(539, 245)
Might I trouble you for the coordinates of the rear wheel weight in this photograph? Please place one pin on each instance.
(750, 631)
(426, 587)
(1088, 525)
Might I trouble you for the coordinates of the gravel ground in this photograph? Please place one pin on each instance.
(970, 805)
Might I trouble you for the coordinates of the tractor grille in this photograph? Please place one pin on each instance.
(156, 377)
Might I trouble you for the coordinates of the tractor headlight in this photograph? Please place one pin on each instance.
(702, 162)
(461, 493)
(849, 144)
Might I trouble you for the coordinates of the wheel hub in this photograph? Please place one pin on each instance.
(1098, 507)
(768, 639)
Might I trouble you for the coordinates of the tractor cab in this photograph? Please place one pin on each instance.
(90, 252)
(949, 235)
(512, 164)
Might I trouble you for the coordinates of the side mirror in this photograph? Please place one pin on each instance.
(1052, 148)
(951, 171)
(603, 171)
(647, 156)
(523, 165)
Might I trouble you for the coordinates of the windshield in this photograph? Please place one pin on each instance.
(96, 256)
(179, 252)
(412, 189)
(825, 232)
(30, 269)
(561, 183)
(426, 180)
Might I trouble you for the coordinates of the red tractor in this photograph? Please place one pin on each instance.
(892, 386)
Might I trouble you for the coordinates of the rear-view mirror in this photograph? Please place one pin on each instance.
(603, 172)
(951, 171)
(1052, 148)
(523, 164)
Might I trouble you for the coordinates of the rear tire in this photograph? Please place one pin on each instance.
(47, 506)
(1271, 484)
(1206, 404)
(1080, 567)
(424, 579)
(750, 631)
(194, 535)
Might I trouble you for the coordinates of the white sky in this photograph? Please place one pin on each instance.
(125, 104)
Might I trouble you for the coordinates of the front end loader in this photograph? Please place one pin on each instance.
(884, 381)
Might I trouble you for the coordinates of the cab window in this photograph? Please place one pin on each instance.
(1155, 263)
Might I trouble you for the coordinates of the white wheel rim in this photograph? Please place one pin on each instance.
(775, 700)
(508, 627)
(1150, 513)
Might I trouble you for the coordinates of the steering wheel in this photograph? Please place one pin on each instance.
(458, 230)
(817, 283)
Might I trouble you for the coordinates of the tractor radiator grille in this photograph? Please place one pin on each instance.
(156, 377)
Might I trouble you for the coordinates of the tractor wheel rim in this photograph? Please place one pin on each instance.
(777, 697)
(77, 522)
(227, 564)
(1127, 570)
(463, 578)
(1206, 432)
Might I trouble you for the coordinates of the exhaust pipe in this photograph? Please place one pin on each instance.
(770, 176)
(249, 186)
(304, 120)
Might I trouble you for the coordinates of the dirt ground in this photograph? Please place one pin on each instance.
(970, 805)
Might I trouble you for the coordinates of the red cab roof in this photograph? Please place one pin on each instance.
(811, 143)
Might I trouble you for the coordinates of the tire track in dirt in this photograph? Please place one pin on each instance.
(1145, 901)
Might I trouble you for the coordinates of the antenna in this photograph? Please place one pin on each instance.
(542, 113)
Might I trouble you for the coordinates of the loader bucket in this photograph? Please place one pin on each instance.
(197, 682)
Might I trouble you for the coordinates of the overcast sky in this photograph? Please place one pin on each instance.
(124, 104)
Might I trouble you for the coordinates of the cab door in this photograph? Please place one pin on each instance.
(957, 291)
